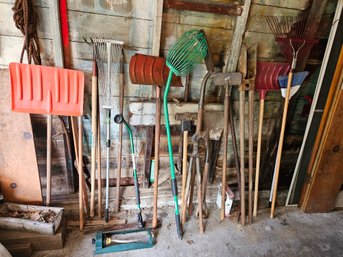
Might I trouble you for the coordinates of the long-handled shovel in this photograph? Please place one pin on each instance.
(152, 70)
(266, 80)
(45, 90)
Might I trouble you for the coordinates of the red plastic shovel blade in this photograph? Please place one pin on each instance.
(46, 90)
(267, 76)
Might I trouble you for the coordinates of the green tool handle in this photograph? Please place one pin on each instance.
(171, 158)
(135, 177)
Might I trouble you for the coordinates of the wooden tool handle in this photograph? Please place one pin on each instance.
(94, 139)
(99, 168)
(184, 177)
(74, 127)
(157, 154)
(251, 153)
(225, 143)
(80, 168)
(258, 155)
(48, 160)
(198, 175)
(282, 134)
(242, 151)
(121, 109)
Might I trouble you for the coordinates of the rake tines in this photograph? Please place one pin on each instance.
(280, 26)
(289, 33)
(108, 54)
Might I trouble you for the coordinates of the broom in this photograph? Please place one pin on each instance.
(297, 79)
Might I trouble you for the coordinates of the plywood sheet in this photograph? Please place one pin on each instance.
(19, 176)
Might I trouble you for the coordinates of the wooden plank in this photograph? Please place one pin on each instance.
(10, 49)
(147, 155)
(124, 181)
(237, 38)
(324, 176)
(21, 224)
(36, 3)
(138, 9)
(315, 113)
(4, 252)
(39, 242)
(205, 20)
(8, 28)
(232, 9)
(132, 32)
(257, 22)
(56, 32)
(157, 21)
(289, 4)
(20, 249)
(339, 201)
(17, 164)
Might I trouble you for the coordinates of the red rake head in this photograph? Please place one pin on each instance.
(267, 76)
(46, 90)
(298, 43)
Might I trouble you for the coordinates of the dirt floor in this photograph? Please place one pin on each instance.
(290, 233)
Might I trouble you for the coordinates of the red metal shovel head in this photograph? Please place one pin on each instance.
(46, 90)
(150, 70)
(267, 76)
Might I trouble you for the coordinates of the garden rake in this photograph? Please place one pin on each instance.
(108, 56)
(283, 124)
(189, 49)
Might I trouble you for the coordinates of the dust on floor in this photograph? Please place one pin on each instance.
(290, 233)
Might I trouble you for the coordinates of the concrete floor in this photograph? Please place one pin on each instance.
(290, 233)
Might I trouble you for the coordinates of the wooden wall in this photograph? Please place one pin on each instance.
(132, 21)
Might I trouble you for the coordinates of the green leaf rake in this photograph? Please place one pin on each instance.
(188, 50)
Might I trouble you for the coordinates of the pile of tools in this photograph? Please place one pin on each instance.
(108, 73)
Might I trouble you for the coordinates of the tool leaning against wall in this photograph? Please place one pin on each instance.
(108, 57)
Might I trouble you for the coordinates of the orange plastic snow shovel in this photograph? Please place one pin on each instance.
(46, 90)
